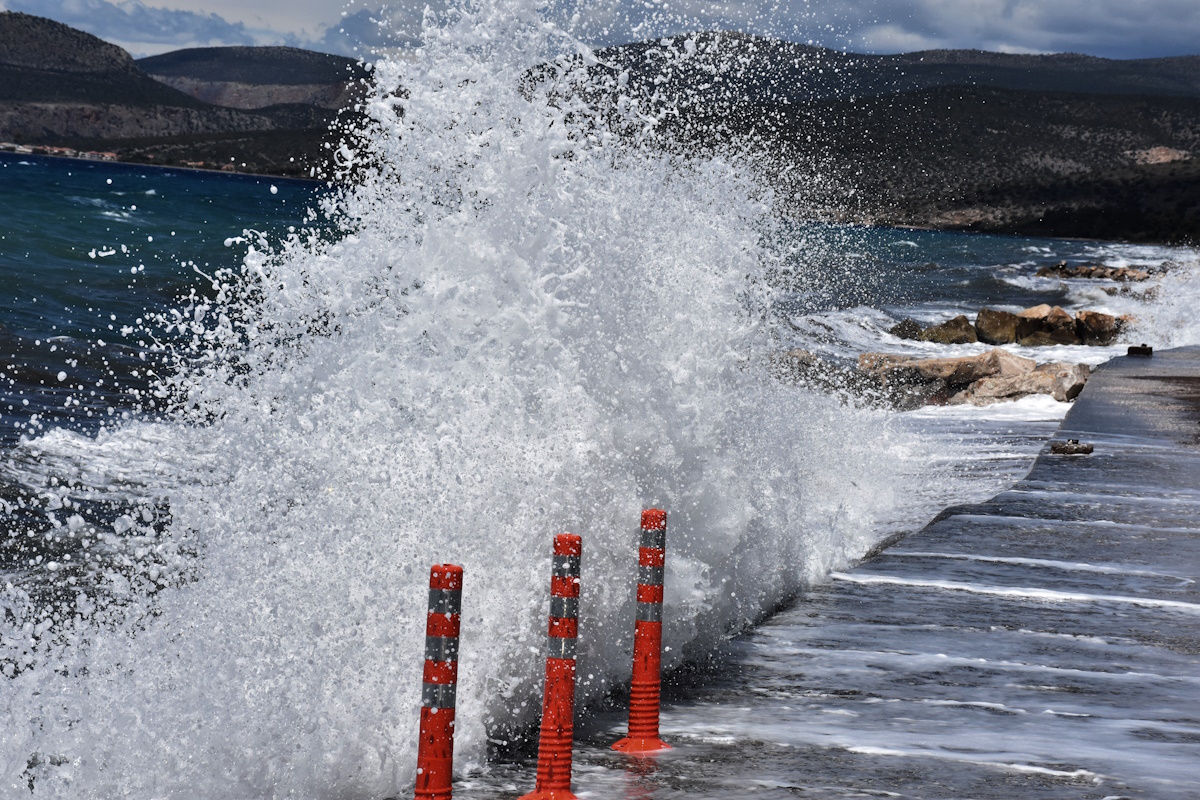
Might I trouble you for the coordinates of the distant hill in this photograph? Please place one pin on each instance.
(1059, 144)
(41, 44)
(42, 61)
(256, 77)
(1069, 72)
(255, 65)
(60, 86)
(1064, 144)
(754, 69)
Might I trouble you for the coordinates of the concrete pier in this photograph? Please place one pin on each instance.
(1043, 644)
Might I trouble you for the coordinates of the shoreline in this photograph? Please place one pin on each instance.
(141, 164)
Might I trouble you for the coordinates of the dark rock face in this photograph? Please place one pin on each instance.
(996, 327)
(957, 331)
(1061, 270)
(1038, 327)
(1096, 328)
(906, 329)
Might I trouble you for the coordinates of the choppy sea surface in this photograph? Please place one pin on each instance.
(242, 416)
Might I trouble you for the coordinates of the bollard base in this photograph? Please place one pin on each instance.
(647, 745)
(550, 794)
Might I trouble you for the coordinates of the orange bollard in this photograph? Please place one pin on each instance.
(435, 749)
(558, 698)
(646, 684)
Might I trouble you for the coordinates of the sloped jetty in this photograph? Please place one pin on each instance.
(1045, 643)
(1042, 644)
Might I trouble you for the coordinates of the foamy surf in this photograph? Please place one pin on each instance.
(521, 329)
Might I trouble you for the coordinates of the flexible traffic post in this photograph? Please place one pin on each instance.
(646, 684)
(435, 750)
(558, 697)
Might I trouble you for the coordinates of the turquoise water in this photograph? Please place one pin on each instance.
(87, 251)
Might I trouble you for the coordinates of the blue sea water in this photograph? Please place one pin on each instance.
(88, 250)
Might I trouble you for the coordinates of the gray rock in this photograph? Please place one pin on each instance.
(1096, 328)
(957, 331)
(996, 327)
(906, 329)
(1067, 380)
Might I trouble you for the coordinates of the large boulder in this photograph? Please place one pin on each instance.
(957, 331)
(1061, 270)
(1066, 380)
(898, 381)
(1061, 381)
(806, 368)
(996, 327)
(958, 371)
(1038, 326)
(1010, 364)
(1036, 312)
(1096, 328)
(908, 382)
(1001, 387)
(953, 371)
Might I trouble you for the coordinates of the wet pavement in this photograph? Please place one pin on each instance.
(1043, 644)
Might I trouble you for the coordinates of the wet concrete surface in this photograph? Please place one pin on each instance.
(1042, 644)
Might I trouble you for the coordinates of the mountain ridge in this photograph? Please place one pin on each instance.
(63, 87)
(1060, 144)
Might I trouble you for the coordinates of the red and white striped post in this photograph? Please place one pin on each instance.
(646, 684)
(435, 749)
(558, 698)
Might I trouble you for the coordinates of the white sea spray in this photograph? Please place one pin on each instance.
(523, 327)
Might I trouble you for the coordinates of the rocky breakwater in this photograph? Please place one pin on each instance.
(979, 379)
(1094, 271)
(1031, 327)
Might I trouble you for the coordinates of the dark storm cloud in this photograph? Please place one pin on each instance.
(1112, 28)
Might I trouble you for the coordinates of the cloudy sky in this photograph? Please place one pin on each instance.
(1111, 28)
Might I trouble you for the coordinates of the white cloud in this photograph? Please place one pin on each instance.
(131, 23)
(1114, 28)
(367, 30)
(892, 38)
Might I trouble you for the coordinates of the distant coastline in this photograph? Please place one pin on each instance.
(233, 173)
(1060, 145)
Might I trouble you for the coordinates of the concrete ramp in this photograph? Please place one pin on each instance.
(1044, 644)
